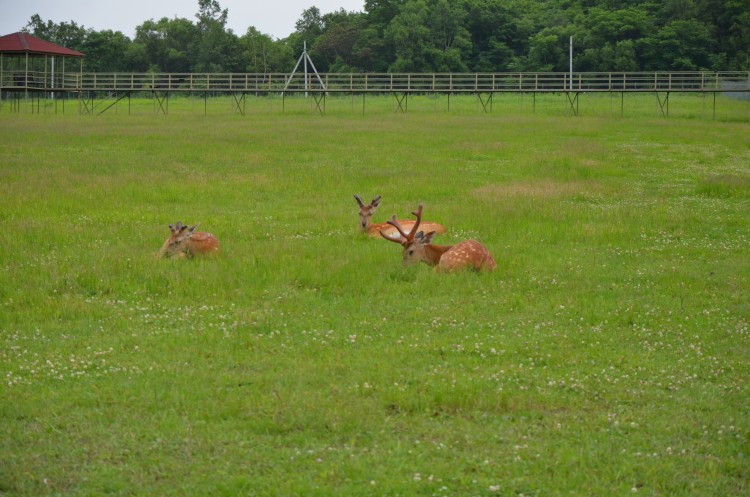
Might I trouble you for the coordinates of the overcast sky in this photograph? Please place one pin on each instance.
(271, 17)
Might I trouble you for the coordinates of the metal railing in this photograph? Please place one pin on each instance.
(380, 82)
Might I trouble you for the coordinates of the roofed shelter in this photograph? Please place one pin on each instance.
(28, 64)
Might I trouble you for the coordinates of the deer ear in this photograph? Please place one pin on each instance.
(426, 239)
(421, 239)
(192, 230)
(376, 201)
(359, 200)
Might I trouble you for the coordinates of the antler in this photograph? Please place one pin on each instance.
(404, 237)
(418, 214)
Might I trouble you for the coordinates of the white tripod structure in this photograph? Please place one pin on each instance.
(305, 59)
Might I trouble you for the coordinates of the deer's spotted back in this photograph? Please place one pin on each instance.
(467, 254)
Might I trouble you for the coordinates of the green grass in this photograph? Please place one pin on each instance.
(608, 354)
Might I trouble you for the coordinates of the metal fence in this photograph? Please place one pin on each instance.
(379, 82)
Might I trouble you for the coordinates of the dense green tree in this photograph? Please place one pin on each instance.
(676, 10)
(104, 51)
(606, 38)
(678, 46)
(408, 32)
(380, 13)
(429, 36)
(612, 26)
(436, 36)
(450, 42)
(257, 50)
(495, 34)
(335, 46)
(309, 26)
(135, 59)
(216, 49)
(66, 34)
(729, 25)
(370, 53)
(549, 50)
(211, 15)
(167, 44)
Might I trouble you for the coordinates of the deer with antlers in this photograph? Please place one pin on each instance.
(468, 254)
(386, 230)
(184, 241)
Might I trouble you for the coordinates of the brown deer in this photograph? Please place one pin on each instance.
(386, 230)
(468, 254)
(184, 241)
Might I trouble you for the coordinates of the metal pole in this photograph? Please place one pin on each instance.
(571, 62)
(44, 80)
(714, 114)
(26, 82)
(293, 71)
(62, 81)
(315, 70)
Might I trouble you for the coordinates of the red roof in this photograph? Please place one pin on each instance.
(25, 43)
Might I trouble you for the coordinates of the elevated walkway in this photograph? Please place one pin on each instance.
(116, 86)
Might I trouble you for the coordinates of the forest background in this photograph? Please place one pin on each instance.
(434, 36)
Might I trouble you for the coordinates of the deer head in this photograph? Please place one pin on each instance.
(179, 235)
(418, 247)
(386, 230)
(366, 212)
(184, 241)
(413, 241)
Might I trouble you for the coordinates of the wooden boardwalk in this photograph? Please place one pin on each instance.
(116, 86)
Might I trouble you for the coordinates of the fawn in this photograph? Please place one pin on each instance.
(184, 241)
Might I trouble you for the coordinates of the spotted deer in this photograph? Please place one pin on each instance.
(386, 230)
(184, 241)
(468, 254)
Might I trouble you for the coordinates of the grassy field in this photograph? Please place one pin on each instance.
(608, 354)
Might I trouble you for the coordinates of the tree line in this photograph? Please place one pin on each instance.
(434, 36)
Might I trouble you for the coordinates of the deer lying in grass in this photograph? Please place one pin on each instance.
(184, 241)
(385, 230)
(468, 254)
